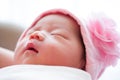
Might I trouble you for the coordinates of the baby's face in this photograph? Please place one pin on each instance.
(54, 40)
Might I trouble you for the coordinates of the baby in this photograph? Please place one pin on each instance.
(58, 38)
(55, 39)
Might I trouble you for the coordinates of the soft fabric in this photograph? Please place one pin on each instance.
(100, 39)
(40, 72)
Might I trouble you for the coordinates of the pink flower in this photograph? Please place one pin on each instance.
(104, 43)
(105, 39)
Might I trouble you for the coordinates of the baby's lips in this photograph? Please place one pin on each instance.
(31, 46)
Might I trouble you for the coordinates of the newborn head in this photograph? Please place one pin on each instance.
(54, 39)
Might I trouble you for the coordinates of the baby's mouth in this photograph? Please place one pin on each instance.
(32, 49)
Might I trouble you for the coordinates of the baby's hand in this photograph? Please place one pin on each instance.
(6, 57)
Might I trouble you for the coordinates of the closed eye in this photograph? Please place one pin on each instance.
(58, 35)
(55, 34)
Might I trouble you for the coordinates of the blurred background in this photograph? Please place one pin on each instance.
(16, 15)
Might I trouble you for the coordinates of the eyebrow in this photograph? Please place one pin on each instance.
(50, 27)
(55, 26)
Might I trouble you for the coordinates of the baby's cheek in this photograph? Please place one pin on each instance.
(20, 47)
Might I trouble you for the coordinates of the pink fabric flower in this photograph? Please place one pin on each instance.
(104, 40)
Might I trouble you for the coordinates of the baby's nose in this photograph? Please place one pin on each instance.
(37, 35)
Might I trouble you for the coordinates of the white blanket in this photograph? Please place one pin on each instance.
(40, 72)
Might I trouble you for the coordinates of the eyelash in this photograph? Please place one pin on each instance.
(59, 35)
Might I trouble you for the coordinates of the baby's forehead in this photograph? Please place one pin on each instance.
(56, 18)
(54, 12)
